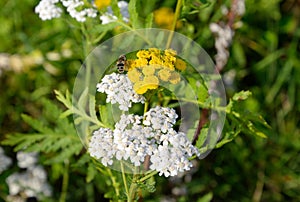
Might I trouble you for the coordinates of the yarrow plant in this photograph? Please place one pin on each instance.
(149, 143)
(152, 135)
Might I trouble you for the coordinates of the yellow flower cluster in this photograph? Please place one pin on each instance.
(164, 18)
(153, 67)
(102, 3)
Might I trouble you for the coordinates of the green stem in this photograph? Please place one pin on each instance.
(176, 16)
(87, 47)
(146, 106)
(85, 116)
(114, 183)
(124, 179)
(95, 41)
(65, 182)
(152, 173)
(203, 105)
(133, 189)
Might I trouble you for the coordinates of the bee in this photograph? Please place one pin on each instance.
(121, 64)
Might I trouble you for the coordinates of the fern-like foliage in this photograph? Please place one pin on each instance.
(52, 135)
(239, 120)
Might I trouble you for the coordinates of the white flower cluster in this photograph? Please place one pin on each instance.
(32, 182)
(119, 90)
(26, 160)
(49, 9)
(160, 118)
(136, 137)
(224, 32)
(239, 7)
(73, 8)
(224, 35)
(109, 16)
(5, 161)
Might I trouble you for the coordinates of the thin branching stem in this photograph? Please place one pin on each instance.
(124, 178)
(133, 187)
(147, 176)
(176, 16)
(65, 182)
(114, 183)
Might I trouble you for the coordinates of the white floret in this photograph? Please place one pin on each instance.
(119, 89)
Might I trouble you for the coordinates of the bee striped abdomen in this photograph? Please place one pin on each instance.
(121, 63)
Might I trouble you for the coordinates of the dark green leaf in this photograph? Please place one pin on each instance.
(206, 198)
(91, 172)
(36, 124)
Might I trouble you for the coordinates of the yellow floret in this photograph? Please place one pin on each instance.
(156, 61)
(144, 54)
(141, 62)
(180, 64)
(139, 87)
(168, 65)
(164, 74)
(154, 52)
(170, 58)
(174, 78)
(170, 52)
(148, 70)
(134, 75)
(149, 82)
(130, 64)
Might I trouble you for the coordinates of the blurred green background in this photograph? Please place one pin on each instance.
(40, 56)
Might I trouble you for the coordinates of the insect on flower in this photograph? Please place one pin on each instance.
(121, 63)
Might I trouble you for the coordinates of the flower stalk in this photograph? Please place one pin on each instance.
(176, 16)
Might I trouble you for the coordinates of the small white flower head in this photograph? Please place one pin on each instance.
(74, 8)
(130, 139)
(27, 160)
(47, 9)
(133, 140)
(91, 13)
(239, 7)
(5, 161)
(101, 146)
(224, 35)
(31, 183)
(172, 154)
(109, 16)
(160, 118)
(119, 90)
